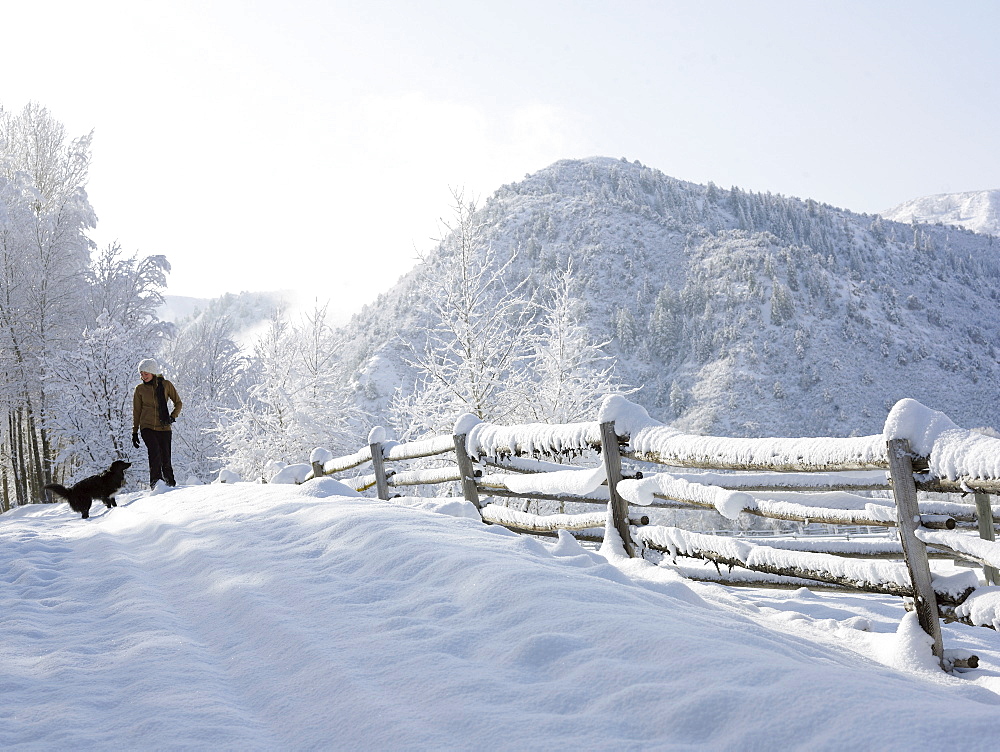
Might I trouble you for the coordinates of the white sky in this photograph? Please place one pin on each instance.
(311, 145)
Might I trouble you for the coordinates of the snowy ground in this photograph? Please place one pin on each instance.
(283, 617)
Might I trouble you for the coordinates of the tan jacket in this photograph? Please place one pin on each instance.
(144, 412)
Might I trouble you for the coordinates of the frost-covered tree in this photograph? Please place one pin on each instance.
(626, 329)
(91, 382)
(782, 304)
(296, 399)
(209, 369)
(471, 358)
(129, 289)
(258, 428)
(92, 387)
(666, 324)
(570, 372)
(44, 253)
(328, 413)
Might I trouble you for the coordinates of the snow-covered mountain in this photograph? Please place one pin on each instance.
(978, 211)
(736, 313)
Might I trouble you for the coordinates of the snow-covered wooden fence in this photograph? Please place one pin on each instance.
(797, 479)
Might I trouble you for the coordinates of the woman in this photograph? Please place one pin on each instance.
(152, 418)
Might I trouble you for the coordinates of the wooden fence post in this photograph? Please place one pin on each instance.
(984, 514)
(467, 472)
(378, 464)
(904, 491)
(613, 469)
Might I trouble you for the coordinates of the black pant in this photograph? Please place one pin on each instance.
(158, 446)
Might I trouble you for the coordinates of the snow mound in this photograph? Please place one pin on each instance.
(296, 473)
(252, 616)
(325, 487)
(954, 452)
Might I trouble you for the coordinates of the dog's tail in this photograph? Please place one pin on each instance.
(61, 490)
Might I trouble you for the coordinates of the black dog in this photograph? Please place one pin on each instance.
(101, 486)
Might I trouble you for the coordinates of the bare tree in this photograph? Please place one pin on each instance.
(471, 357)
(571, 373)
(210, 369)
(296, 399)
(127, 288)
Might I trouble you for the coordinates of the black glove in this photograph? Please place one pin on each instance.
(135, 439)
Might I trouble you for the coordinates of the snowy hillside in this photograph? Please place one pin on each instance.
(735, 313)
(978, 211)
(263, 617)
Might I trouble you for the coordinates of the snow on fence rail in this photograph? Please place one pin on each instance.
(800, 479)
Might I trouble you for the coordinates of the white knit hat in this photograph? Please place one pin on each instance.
(150, 366)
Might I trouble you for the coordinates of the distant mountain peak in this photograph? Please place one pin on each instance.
(978, 211)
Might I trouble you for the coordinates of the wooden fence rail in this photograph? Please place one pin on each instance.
(814, 480)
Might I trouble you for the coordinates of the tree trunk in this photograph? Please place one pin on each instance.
(17, 450)
(38, 475)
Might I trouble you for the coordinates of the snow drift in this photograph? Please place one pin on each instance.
(283, 617)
